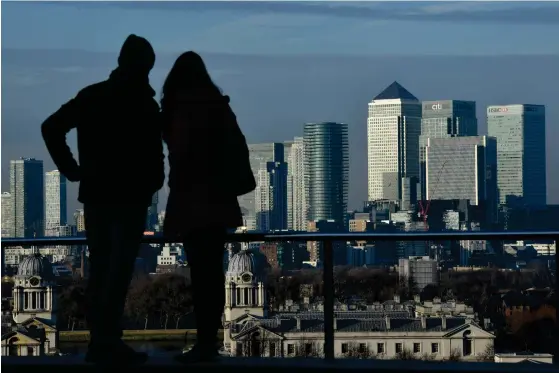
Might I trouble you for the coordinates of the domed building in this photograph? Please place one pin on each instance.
(245, 294)
(244, 289)
(34, 310)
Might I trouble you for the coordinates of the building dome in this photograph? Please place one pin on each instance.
(241, 262)
(35, 265)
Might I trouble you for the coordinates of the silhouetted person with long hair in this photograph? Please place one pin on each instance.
(209, 168)
(120, 168)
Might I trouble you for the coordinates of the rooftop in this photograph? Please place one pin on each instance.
(394, 92)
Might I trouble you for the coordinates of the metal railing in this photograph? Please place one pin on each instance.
(328, 259)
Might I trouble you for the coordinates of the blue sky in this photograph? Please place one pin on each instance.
(288, 27)
(286, 63)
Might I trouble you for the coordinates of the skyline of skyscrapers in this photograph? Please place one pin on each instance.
(307, 178)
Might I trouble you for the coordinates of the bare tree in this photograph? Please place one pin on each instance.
(405, 354)
(358, 351)
(488, 355)
(305, 347)
(455, 355)
(428, 357)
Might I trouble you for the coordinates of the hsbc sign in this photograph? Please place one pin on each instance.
(498, 109)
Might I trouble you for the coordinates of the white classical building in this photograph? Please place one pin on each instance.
(34, 312)
(249, 328)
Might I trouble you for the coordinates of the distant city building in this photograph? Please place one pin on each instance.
(316, 249)
(151, 218)
(444, 119)
(170, 255)
(79, 220)
(27, 190)
(437, 308)
(13, 255)
(421, 269)
(55, 202)
(297, 208)
(271, 192)
(260, 155)
(393, 129)
(7, 215)
(463, 168)
(521, 155)
(326, 150)
(160, 220)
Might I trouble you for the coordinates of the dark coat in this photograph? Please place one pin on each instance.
(119, 141)
(200, 196)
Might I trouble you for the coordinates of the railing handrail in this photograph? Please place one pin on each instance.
(316, 236)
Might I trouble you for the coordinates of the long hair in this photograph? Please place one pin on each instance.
(188, 77)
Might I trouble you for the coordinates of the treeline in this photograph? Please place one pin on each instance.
(161, 302)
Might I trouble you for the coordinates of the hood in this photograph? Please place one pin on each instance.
(136, 55)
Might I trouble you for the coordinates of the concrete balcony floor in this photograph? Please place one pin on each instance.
(165, 364)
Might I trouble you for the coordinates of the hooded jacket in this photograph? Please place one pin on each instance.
(119, 134)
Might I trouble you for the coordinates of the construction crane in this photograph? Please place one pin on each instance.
(424, 209)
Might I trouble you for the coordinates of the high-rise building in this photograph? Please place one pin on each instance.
(55, 202)
(271, 192)
(521, 158)
(27, 190)
(79, 220)
(260, 155)
(296, 197)
(326, 152)
(393, 129)
(443, 119)
(463, 168)
(7, 215)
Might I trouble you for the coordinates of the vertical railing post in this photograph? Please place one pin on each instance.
(556, 331)
(328, 279)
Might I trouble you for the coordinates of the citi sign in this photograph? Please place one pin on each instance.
(498, 109)
(436, 106)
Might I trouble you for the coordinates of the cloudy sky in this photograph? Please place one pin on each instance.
(286, 63)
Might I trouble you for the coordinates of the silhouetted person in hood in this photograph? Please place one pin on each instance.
(209, 168)
(120, 168)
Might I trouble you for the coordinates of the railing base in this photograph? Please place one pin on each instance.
(72, 364)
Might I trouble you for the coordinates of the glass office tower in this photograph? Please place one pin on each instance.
(28, 197)
(444, 119)
(521, 158)
(326, 151)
